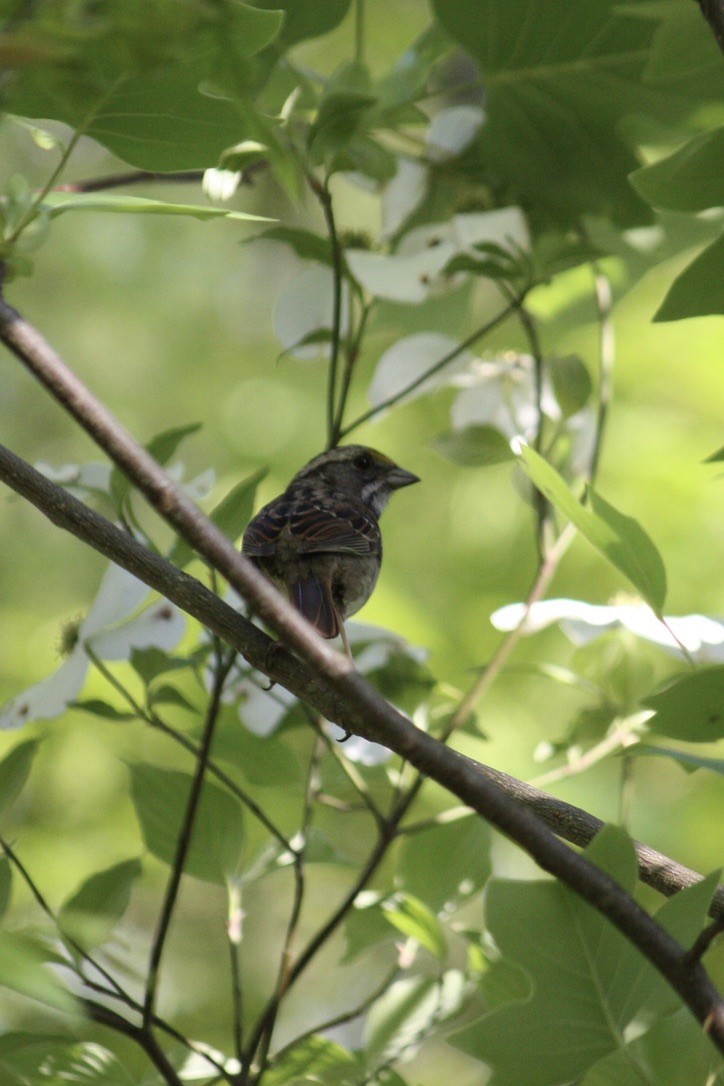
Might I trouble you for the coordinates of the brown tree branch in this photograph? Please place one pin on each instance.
(67, 512)
(364, 710)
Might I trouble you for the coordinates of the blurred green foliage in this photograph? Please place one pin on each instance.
(170, 322)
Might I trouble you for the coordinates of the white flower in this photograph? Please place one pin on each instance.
(452, 130)
(401, 277)
(409, 358)
(403, 194)
(500, 392)
(703, 637)
(111, 633)
(78, 479)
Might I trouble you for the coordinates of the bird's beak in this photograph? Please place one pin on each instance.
(398, 477)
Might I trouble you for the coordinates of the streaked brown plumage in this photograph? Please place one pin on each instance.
(320, 540)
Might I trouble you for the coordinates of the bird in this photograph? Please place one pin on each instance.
(320, 540)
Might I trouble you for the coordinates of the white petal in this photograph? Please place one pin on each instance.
(360, 750)
(502, 227)
(160, 626)
(546, 612)
(397, 277)
(452, 129)
(428, 236)
(262, 710)
(48, 698)
(404, 193)
(411, 357)
(220, 184)
(305, 306)
(119, 595)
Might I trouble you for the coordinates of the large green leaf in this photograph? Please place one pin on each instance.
(691, 707)
(24, 968)
(559, 77)
(160, 797)
(589, 982)
(95, 908)
(699, 290)
(692, 179)
(132, 75)
(618, 537)
(445, 864)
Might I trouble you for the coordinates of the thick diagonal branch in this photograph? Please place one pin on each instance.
(359, 706)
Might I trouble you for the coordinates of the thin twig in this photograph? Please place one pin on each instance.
(234, 935)
(184, 838)
(619, 739)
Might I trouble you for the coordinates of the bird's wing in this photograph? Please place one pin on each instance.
(262, 533)
(311, 528)
(346, 528)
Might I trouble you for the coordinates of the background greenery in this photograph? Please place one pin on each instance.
(170, 321)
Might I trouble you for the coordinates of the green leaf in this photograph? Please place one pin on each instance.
(303, 19)
(559, 76)
(338, 121)
(85, 1063)
(14, 771)
(231, 515)
(588, 981)
(413, 918)
(571, 383)
(404, 1015)
(699, 290)
(445, 864)
(306, 244)
(692, 179)
(364, 927)
(58, 202)
(160, 798)
(581, 969)
(620, 538)
(92, 912)
(314, 1060)
(134, 77)
(268, 762)
(103, 709)
(151, 662)
(6, 885)
(689, 762)
(476, 446)
(169, 695)
(674, 1052)
(23, 968)
(716, 457)
(691, 707)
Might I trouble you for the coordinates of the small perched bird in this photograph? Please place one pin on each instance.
(320, 540)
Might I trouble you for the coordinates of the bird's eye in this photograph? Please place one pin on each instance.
(363, 462)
